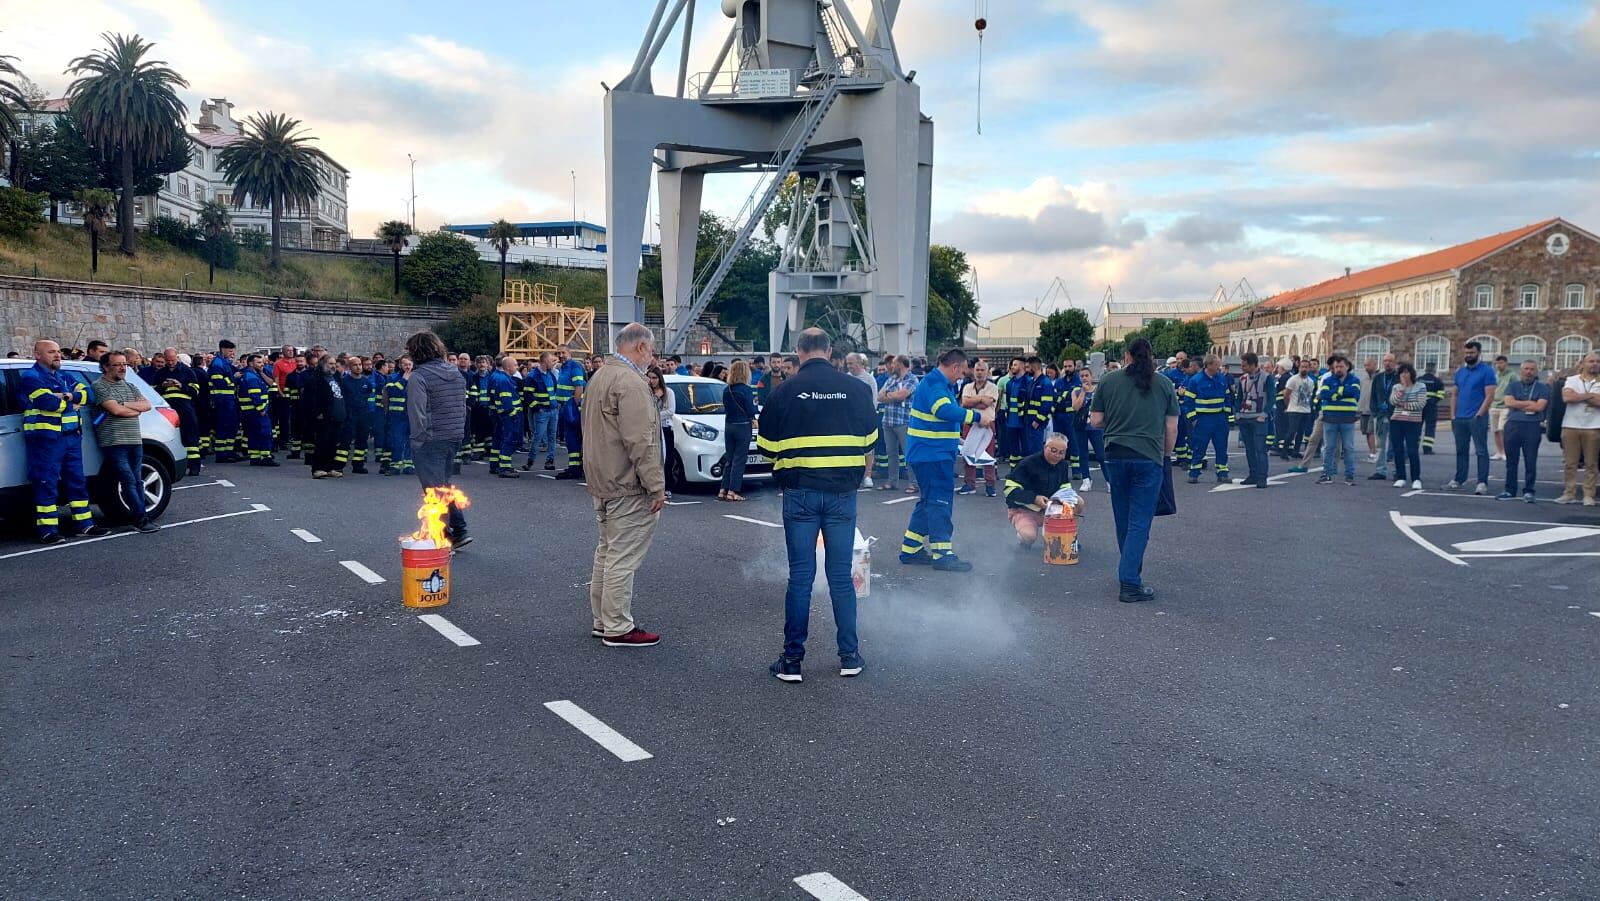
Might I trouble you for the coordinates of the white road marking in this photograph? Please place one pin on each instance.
(1438, 520)
(545, 476)
(682, 503)
(603, 735)
(305, 536)
(1238, 484)
(367, 575)
(79, 542)
(224, 483)
(200, 485)
(449, 630)
(1413, 493)
(1460, 494)
(1526, 539)
(1406, 530)
(824, 887)
(759, 522)
(1594, 613)
(902, 500)
(260, 508)
(1534, 554)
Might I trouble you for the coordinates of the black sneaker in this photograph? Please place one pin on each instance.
(1324, 479)
(52, 538)
(509, 473)
(569, 474)
(1132, 594)
(146, 526)
(461, 540)
(1350, 482)
(849, 665)
(1378, 477)
(989, 492)
(786, 670)
(920, 558)
(527, 466)
(94, 531)
(950, 563)
(549, 466)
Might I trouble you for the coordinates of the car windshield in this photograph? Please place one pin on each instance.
(698, 397)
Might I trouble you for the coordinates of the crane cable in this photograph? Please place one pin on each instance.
(980, 21)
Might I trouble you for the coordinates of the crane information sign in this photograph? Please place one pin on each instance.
(765, 83)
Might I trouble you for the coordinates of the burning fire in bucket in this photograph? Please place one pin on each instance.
(432, 514)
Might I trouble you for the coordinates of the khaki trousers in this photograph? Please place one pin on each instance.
(626, 528)
(1580, 445)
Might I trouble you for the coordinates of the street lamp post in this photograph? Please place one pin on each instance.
(413, 191)
(574, 209)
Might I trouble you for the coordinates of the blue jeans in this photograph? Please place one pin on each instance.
(1471, 431)
(125, 461)
(544, 432)
(1254, 436)
(434, 461)
(1334, 436)
(1522, 443)
(1135, 483)
(736, 450)
(807, 512)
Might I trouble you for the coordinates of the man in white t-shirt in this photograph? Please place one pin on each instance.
(856, 365)
(1580, 430)
(1298, 390)
(980, 387)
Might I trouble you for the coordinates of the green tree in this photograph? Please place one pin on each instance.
(214, 220)
(443, 266)
(472, 327)
(128, 108)
(274, 162)
(1063, 328)
(501, 234)
(1112, 349)
(96, 204)
(394, 233)
(947, 278)
(741, 300)
(20, 211)
(57, 162)
(941, 323)
(11, 95)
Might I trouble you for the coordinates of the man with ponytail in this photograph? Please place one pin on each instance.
(1139, 413)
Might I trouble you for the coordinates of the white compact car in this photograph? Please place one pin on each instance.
(164, 456)
(697, 441)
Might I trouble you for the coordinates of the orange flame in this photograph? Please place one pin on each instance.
(435, 507)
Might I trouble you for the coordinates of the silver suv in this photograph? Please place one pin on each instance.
(164, 455)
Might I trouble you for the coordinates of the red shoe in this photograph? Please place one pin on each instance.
(638, 638)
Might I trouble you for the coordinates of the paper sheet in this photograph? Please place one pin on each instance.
(975, 447)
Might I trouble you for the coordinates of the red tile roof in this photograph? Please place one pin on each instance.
(1437, 262)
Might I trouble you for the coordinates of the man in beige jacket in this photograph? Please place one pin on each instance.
(622, 464)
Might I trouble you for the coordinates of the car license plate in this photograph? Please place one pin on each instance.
(755, 459)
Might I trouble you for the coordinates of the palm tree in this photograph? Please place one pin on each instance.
(501, 234)
(96, 204)
(213, 218)
(10, 94)
(274, 162)
(394, 232)
(128, 108)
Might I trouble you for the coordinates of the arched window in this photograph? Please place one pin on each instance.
(1528, 297)
(1435, 350)
(1294, 346)
(1528, 347)
(1371, 347)
(1576, 298)
(1483, 297)
(1438, 300)
(1490, 345)
(1571, 349)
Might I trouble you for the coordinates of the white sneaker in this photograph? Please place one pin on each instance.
(1417, 485)
(1372, 458)
(866, 481)
(1497, 456)
(1399, 483)
(1483, 488)
(1087, 484)
(1453, 485)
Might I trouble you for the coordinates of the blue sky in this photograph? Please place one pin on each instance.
(1161, 147)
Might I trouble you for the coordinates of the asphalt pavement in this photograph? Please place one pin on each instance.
(1339, 693)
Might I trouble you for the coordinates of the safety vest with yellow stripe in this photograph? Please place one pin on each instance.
(934, 431)
(817, 428)
(46, 412)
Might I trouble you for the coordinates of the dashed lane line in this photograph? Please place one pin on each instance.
(758, 522)
(79, 542)
(367, 575)
(603, 735)
(305, 536)
(902, 500)
(825, 887)
(449, 630)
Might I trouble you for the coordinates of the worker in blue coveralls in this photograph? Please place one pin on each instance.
(933, 442)
(505, 400)
(568, 400)
(222, 385)
(52, 431)
(1207, 404)
(255, 410)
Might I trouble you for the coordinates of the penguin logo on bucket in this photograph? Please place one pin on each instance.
(433, 584)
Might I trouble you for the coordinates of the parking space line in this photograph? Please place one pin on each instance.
(603, 735)
(902, 500)
(1406, 530)
(1532, 554)
(79, 542)
(449, 630)
(1522, 540)
(758, 522)
(367, 575)
(224, 483)
(1594, 612)
(201, 485)
(825, 887)
(682, 503)
(305, 536)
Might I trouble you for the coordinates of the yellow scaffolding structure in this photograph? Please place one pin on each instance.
(532, 320)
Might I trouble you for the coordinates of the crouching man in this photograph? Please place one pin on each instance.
(1030, 484)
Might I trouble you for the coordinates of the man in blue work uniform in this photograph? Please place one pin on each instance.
(933, 442)
(375, 416)
(1340, 396)
(1208, 405)
(52, 430)
(1016, 394)
(223, 389)
(397, 427)
(1175, 372)
(568, 400)
(179, 386)
(538, 388)
(255, 410)
(505, 399)
(1041, 405)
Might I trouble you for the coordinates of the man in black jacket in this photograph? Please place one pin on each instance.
(1031, 483)
(1378, 391)
(818, 426)
(1254, 394)
(323, 399)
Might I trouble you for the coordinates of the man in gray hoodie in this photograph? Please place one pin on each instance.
(436, 406)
